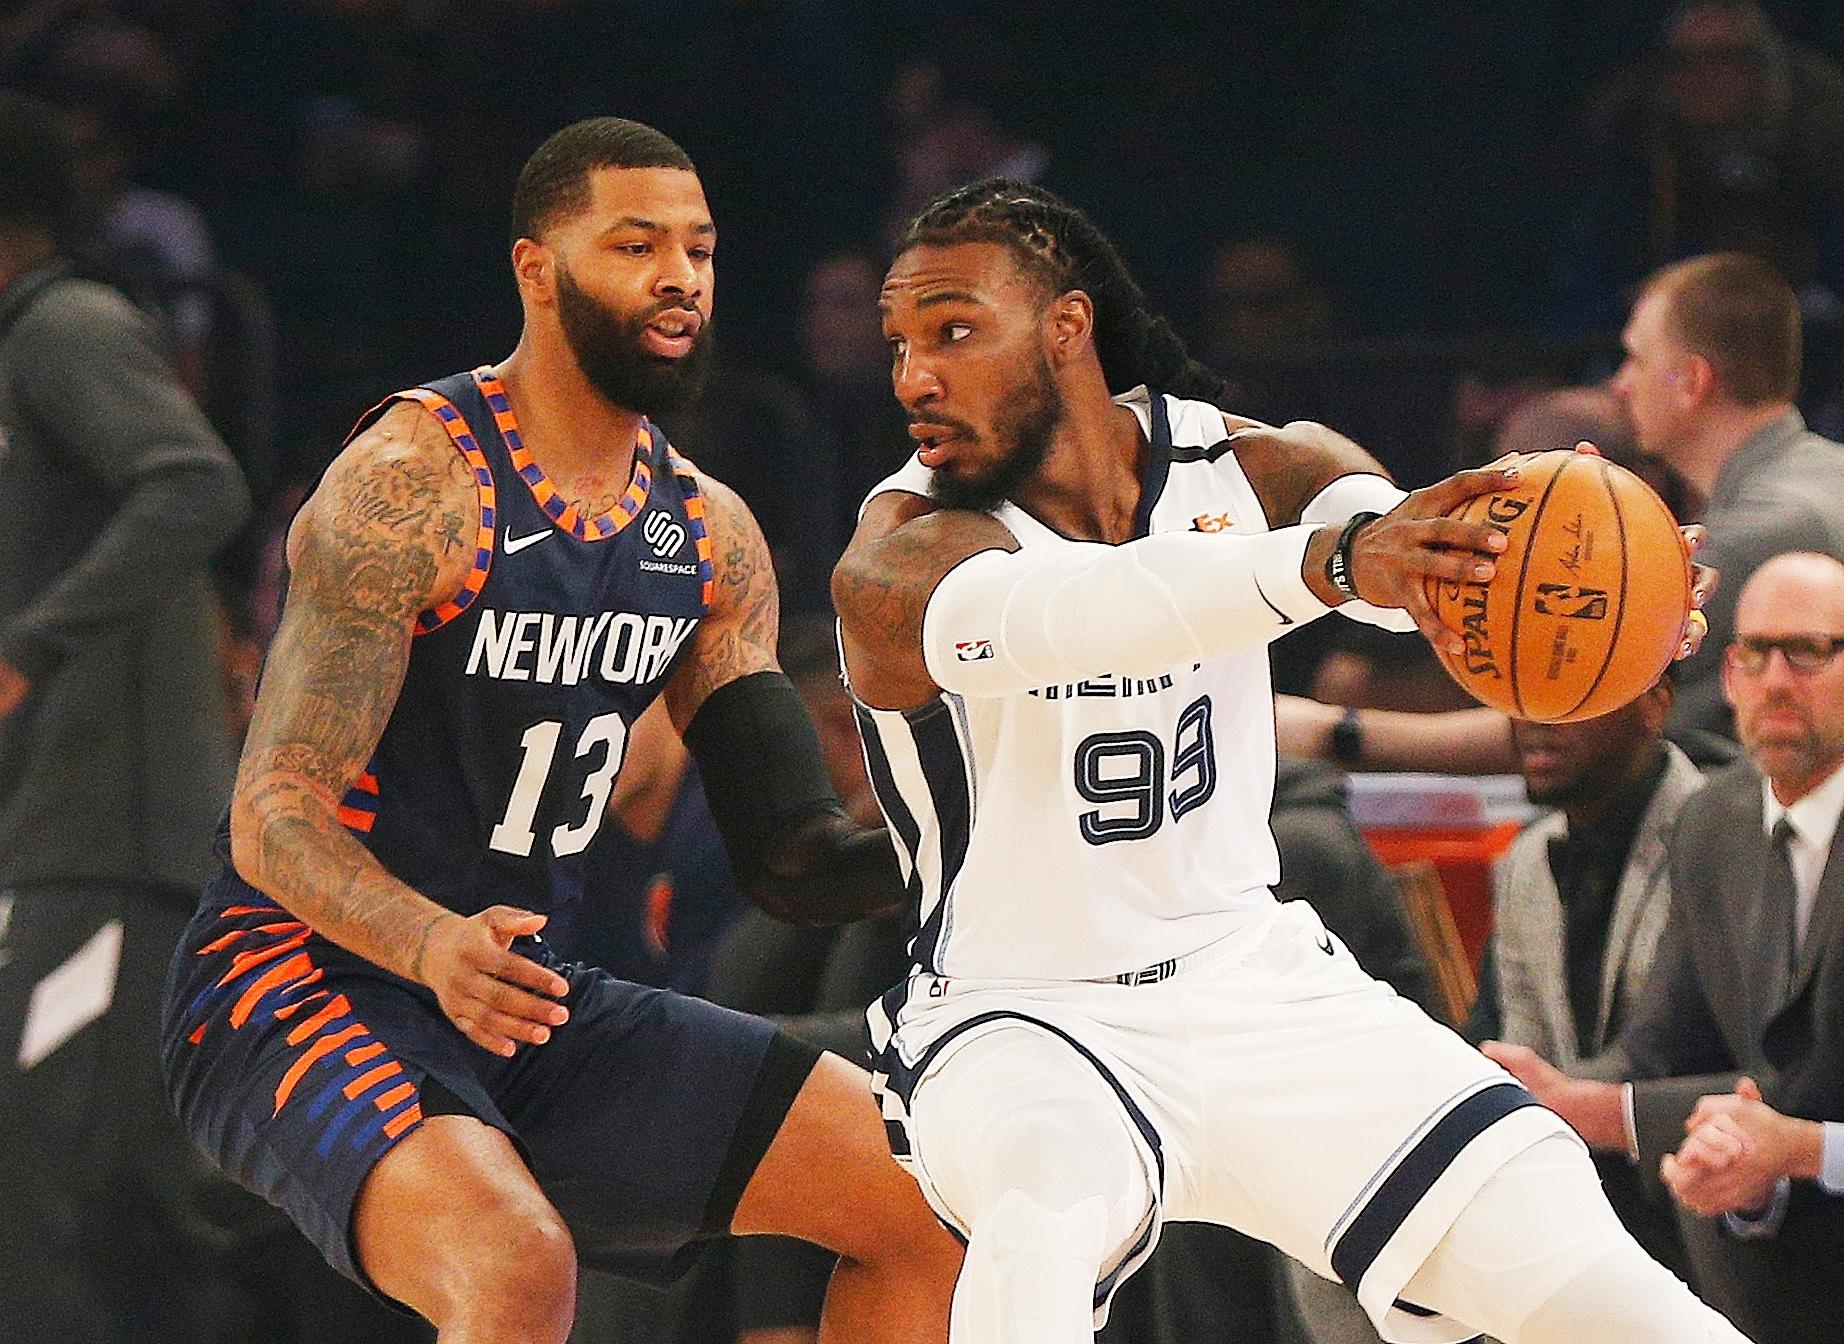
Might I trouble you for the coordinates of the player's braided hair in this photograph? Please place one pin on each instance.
(1062, 246)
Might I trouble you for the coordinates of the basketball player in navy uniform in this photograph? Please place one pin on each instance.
(1055, 621)
(364, 1022)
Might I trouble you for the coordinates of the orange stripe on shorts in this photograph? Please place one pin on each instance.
(395, 1095)
(337, 1006)
(326, 1045)
(293, 969)
(397, 1124)
(388, 1069)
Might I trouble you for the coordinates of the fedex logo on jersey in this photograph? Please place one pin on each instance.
(556, 650)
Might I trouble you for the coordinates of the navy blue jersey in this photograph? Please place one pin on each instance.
(493, 774)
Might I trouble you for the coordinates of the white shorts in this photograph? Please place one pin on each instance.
(1274, 1087)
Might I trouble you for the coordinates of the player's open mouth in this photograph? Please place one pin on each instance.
(932, 443)
(672, 334)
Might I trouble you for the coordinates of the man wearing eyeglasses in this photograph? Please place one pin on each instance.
(1748, 984)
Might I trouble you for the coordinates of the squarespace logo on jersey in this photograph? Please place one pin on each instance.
(619, 646)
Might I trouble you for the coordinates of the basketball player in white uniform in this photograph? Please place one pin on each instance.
(1111, 1023)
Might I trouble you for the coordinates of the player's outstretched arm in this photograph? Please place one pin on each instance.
(388, 534)
(944, 599)
(792, 848)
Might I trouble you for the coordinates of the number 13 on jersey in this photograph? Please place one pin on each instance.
(514, 833)
(1126, 773)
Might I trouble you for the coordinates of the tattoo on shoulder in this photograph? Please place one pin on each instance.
(882, 586)
(739, 635)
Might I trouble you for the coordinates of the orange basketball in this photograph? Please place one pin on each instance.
(1589, 602)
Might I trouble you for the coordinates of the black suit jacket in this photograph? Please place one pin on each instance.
(1706, 1017)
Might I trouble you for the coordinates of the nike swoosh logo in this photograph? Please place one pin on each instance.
(1285, 618)
(513, 545)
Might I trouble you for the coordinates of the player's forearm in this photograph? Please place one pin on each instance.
(1459, 742)
(1002, 623)
(288, 843)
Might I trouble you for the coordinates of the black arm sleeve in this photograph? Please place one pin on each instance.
(794, 851)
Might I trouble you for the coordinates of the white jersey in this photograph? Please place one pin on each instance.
(1099, 827)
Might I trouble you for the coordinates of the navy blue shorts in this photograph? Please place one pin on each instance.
(296, 1065)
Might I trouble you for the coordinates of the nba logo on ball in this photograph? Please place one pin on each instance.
(1588, 604)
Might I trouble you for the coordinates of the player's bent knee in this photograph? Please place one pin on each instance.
(525, 1291)
(1027, 1148)
(451, 1223)
(1627, 1296)
(1030, 1272)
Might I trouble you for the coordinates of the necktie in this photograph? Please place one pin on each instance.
(1779, 936)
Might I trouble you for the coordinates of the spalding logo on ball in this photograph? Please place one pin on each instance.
(1588, 605)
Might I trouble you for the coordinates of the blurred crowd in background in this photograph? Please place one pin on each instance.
(1401, 219)
(1419, 223)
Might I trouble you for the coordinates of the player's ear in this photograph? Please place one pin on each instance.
(1071, 325)
(534, 266)
(1698, 380)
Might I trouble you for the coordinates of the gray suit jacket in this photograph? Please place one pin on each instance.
(1527, 928)
(1707, 1015)
(1783, 490)
(117, 495)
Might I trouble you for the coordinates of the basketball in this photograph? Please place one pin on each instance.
(1590, 598)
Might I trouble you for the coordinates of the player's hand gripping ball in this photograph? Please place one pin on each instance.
(1591, 597)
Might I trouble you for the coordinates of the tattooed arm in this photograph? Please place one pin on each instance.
(738, 635)
(385, 537)
(904, 546)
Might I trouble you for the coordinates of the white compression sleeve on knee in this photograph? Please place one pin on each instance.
(1003, 622)
(1029, 1275)
(1360, 492)
(1538, 1257)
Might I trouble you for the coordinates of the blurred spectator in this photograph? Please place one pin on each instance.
(755, 432)
(945, 131)
(1257, 299)
(1258, 305)
(1712, 363)
(1727, 138)
(846, 366)
(1597, 415)
(114, 756)
(1579, 903)
(1746, 977)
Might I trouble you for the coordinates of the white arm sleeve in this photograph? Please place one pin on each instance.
(1360, 492)
(1004, 622)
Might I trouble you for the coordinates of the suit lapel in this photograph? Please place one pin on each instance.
(1644, 873)
(1824, 922)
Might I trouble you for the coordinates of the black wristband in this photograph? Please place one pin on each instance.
(791, 847)
(1338, 563)
(1346, 742)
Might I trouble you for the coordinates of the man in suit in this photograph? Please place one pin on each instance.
(1579, 903)
(1749, 975)
(1712, 366)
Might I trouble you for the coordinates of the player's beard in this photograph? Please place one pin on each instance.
(1029, 423)
(609, 351)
